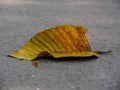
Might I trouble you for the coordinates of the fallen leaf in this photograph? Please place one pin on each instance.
(59, 41)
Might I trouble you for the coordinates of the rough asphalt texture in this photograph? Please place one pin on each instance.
(21, 19)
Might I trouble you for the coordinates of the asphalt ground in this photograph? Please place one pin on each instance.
(21, 19)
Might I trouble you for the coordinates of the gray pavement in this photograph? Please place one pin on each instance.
(21, 19)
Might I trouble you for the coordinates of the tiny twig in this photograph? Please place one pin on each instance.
(102, 52)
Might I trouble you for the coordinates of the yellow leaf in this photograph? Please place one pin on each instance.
(59, 41)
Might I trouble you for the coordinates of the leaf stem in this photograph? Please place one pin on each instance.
(102, 52)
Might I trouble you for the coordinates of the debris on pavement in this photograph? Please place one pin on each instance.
(35, 64)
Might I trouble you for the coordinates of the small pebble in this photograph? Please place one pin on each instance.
(72, 87)
(38, 89)
(33, 75)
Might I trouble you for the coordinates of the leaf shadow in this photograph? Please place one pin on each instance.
(67, 59)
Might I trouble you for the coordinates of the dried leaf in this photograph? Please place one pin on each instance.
(59, 41)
